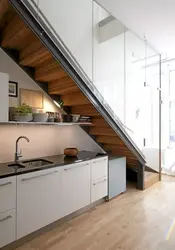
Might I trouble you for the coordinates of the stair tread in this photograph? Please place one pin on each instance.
(150, 178)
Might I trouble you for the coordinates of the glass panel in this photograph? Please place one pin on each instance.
(142, 96)
(108, 75)
(151, 117)
(168, 121)
(135, 78)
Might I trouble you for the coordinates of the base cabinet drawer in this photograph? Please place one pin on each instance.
(99, 189)
(99, 168)
(7, 227)
(7, 193)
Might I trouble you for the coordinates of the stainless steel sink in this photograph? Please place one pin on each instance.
(36, 163)
(16, 165)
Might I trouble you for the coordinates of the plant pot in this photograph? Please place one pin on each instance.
(75, 118)
(67, 118)
(22, 117)
(40, 117)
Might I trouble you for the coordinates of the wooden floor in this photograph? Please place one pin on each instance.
(136, 220)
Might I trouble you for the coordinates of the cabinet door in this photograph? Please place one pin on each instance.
(38, 200)
(99, 168)
(117, 176)
(7, 193)
(76, 186)
(7, 227)
(99, 189)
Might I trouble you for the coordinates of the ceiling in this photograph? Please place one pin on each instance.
(153, 19)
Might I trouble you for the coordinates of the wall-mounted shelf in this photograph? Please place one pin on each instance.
(47, 123)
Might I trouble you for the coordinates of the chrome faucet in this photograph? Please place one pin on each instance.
(17, 154)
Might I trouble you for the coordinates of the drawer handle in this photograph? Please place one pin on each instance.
(71, 168)
(99, 161)
(6, 218)
(5, 184)
(34, 177)
(101, 181)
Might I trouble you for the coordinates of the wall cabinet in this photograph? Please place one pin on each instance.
(76, 187)
(38, 200)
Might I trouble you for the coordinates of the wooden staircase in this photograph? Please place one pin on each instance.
(150, 179)
(23, 45)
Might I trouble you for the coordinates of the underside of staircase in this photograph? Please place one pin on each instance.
(22, 38)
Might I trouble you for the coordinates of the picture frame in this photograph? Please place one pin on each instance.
(13, 89)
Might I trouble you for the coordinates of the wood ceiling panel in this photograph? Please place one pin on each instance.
(49, 71)
(88, 110)
(62, 86)
(102, 131)
(34, 54)
(109, 140)
(126, 153)
(99, 122)
(65, 91)
(16, 34)
(74, 99)
(114, 146)
(4, 8)
(7, 13)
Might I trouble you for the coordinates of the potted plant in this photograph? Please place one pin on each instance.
(22, 113)
(40, 117)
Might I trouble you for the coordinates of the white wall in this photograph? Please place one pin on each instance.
(45, 140)
(7, 65)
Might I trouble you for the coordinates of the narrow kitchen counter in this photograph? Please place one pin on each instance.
(56, 160)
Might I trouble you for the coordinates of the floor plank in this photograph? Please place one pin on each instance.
(136, 220)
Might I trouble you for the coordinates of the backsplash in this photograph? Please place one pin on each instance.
(45, 140)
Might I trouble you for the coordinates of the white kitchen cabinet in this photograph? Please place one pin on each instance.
(7, 227)
(99, 178)
(39, 200)
(7, 193)
(99, 168)
(76, 186)
(4, 97)
(99, 189)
